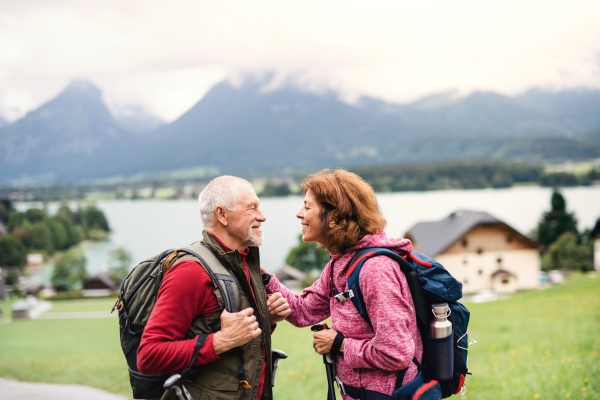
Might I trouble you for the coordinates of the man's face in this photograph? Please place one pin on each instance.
(245, 219)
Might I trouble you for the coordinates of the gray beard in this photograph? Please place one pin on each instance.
(252, 239)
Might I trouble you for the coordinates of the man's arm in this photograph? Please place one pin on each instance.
(185, 293)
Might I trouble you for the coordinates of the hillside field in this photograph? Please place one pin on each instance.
(540, 344)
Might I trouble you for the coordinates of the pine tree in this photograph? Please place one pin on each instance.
(556, 221)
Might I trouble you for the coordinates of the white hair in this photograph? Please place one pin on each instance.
(222, 191)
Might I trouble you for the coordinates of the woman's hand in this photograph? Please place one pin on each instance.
(279, 309)
(323, 340)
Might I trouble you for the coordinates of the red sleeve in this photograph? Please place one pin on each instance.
(186, 292)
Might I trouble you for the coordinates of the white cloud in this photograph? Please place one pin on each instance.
(166, 55)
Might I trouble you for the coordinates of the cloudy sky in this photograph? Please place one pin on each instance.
(165, 55)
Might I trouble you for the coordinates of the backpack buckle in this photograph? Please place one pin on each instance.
(245, 384)
(344, 296)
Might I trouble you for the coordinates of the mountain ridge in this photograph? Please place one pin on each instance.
(245, 129)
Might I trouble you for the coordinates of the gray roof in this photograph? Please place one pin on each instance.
(106, 278)
(286, 272)
(435, 237)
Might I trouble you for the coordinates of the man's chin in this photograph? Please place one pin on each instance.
(254, 240)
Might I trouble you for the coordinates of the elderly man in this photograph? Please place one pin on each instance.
(188, 305)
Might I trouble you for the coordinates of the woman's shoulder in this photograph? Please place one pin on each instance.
(380, 266)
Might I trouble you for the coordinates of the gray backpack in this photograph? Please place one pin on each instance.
(137, 298)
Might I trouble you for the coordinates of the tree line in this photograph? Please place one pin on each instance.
(36, 231)
(383, 178)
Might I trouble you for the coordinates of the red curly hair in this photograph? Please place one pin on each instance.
(351, 202)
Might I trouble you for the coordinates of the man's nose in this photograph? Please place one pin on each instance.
(260, 216)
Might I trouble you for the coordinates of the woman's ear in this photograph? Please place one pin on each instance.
(331, 220)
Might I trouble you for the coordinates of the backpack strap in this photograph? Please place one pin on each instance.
(354, 292)
(221, 276)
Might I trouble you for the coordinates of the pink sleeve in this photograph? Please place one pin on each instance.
(311, 307)
(392, 348)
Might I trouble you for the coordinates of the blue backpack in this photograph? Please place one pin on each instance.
(429, 283)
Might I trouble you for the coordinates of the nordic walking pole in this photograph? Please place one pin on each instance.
(175, 382)
(328, 361)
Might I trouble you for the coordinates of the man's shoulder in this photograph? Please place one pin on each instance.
(187, 269)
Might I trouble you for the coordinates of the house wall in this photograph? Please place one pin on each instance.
(489, 238)
(475, 270)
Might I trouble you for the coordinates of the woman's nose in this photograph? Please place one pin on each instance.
(299, 214)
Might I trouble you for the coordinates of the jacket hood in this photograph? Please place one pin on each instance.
(400, 246)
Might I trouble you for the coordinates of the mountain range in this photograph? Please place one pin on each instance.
(246, 129)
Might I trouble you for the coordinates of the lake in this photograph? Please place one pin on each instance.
(147, 227)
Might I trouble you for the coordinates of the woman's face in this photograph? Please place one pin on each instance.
(310, 218)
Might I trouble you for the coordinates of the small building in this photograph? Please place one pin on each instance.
(21, 309)
(595, 236)
(34, 260)
(102, 284)
(290, 277)
(481, 251)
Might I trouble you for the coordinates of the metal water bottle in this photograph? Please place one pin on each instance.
(441, 327)
(440, 352)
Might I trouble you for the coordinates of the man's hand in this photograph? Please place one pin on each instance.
(237, 329)
(279, 309)
(323, 340)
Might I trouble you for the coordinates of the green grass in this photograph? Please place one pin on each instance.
(78, 351)
(523, 342)
(84, 304)
(541, 343)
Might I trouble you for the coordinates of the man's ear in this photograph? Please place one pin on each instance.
(221, 215)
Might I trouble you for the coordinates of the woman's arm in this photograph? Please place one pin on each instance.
(311, 307)
(391, 311)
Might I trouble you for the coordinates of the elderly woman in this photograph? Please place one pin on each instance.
(341, 213)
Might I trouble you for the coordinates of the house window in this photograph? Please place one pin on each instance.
(509, 239)
(499, 260)
(505, 281)
(465, 261)
(465, 281)
(464, 242)
(480, 271)
(479, 250)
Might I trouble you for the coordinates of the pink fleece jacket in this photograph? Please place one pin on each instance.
(372, 357)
